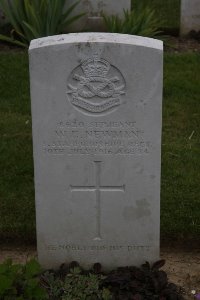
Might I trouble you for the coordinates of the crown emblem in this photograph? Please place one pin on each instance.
(96, 86)
(95, 67)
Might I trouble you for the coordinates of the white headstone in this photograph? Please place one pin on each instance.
(190, 16)
(96, 111)
(93, 9)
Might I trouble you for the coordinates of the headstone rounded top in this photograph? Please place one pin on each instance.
(96, 103)
(94, 37)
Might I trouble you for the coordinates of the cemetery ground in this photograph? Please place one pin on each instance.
(180, 192)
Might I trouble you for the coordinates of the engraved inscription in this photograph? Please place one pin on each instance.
(98, 188)
(105, 138)
(74, 247)
(95, 86)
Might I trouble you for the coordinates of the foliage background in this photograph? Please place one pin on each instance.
(167, 10)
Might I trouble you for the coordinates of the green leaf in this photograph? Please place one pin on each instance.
(5, 284)
(32, 19)
(8, 8)
(71, 20)
(12, 41)
(32, 30)
(5, 266)
(141, 21)
(70, 9)
(32, 268)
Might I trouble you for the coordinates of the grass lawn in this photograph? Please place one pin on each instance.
(180, 196)
(17, 219)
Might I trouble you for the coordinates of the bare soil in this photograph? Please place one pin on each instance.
(182, 267)
(180, 45)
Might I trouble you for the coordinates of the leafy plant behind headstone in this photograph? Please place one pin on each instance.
(33, 19)
(140, 21)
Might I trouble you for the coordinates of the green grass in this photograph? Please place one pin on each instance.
(17, 219)
(180, 205)
(180, 196)
(167, 10)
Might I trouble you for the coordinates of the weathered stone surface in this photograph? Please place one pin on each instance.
(190, 16)
(96, 111)
(93, 10)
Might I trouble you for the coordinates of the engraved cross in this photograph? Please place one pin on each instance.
(97, 188)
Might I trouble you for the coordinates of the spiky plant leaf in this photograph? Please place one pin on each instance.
(32, 19)
(141, 21)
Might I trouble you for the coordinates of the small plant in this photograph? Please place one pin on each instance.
(71, 282)
(21, 282)
(84, 286)
(74, 284)
(140, 21)
(33, 19)
(53, 285)
(145, 283)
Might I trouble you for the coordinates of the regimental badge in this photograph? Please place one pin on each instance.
(96, 86)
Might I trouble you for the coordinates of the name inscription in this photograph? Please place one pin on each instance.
(82, 138)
